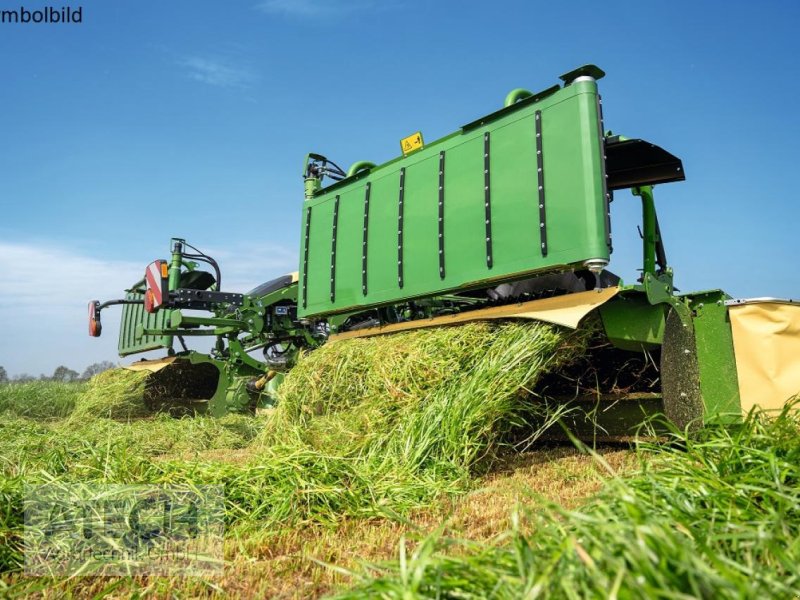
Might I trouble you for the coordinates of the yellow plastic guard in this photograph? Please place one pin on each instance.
(565, 310)
(766, 341)
(151, 365)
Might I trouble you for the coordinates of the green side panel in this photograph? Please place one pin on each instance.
(715, 356)
(515, 222)
(575, 210)
(464, 211)
(420, 230)
(384, 198)
(632, 323)
(349, 243)
(134, 315)
(319, 251)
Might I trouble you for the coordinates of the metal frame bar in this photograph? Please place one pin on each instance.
(487, 197)
(400, 227)
(540, 182)
(333, 247)
(441, 215)
(305, 258)
(364, 246)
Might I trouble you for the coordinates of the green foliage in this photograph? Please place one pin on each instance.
(420, 398)
(39, 399)
(114, 394)
(96, 368)
(714, 517)
(64, 374)
(433, 408)
(380, 426)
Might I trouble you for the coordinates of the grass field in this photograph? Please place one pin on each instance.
(386, 471)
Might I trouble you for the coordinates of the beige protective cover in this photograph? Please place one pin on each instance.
(766, 340)
(154, 366)
(565, 310)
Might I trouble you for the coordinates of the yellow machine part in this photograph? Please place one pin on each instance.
(565, 310)
(766, 342)
(154, 366)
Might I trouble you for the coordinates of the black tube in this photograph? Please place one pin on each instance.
(113, 302)
(206, 259)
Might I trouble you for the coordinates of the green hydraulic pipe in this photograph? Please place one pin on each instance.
(312, 186)
(177, 318)
(649, 228)
(185, 332)
(516, 95)
(174, 274)
(359, 166)
(312, 180)
(175, 264)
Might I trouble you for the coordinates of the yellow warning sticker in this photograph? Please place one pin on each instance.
(411, 143)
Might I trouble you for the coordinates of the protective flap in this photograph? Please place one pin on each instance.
(565, 310)
(766, 340)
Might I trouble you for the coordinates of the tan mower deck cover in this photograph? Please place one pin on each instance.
(766, 340)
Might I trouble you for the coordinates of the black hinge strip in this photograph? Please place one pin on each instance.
(487, 199)
(333, 248)
(604, 175)
(441, 214)
(540, 178)
(305, 257)
(364, 244)
(400, 227)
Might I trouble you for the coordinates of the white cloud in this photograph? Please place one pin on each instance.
(217, 72)
(245, 266)
(45, 290)
(36, 279)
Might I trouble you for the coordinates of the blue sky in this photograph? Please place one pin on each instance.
(192, 118)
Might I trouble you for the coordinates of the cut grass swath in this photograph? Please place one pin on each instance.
(113, 394)
(713, 517)
(363, 426)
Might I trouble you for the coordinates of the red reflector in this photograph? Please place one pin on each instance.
(94, 328)
(149, 301)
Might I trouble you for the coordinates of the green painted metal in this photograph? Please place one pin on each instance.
(649, 231)
(660, 290)
(516, 95)
(574, 198)
(178, 319)
(357, 167)
(632, 323)
(134, 318)
(312, 186)
(376, 242)
(715, 355)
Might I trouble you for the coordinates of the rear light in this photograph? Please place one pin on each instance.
(95, 326)
(149, 301)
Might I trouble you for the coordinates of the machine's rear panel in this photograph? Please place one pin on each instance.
(398, 235)
(134, 315)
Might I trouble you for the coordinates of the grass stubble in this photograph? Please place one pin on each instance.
(393, 448)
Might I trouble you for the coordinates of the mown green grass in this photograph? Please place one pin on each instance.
(40, 400)
(374, 429)
(431, 410)
(717, 516)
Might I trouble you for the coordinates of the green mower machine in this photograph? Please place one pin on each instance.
(507, 217)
